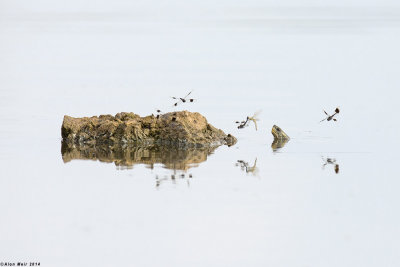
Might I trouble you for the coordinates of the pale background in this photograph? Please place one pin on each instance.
(290, 59)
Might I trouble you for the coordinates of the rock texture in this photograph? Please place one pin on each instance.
(180, 129)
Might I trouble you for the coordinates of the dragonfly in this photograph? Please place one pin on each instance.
(183, 99)
(331, 117)
(245, 123)
(158, 113)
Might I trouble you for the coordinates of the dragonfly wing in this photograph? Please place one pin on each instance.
(188, 94)
(255, 122)
(256, 114)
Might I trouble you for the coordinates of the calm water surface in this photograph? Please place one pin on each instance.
(328, 197)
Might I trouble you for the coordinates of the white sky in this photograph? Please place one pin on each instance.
(127, 5)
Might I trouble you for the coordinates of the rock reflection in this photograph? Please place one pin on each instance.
(245, 166)
(125, 157)
(277, 144)
(331, 161)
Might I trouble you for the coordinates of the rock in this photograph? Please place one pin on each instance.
(181, 129)
(280, 138)
(278, 133)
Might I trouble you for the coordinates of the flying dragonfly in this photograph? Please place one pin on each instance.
(246, 122)
(183, 99)
(331, 117)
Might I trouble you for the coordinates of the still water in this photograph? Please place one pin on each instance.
(328, 197)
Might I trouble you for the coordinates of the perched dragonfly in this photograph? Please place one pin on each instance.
(246, 122)
(331, 117)
(158, 113)
(183, 99)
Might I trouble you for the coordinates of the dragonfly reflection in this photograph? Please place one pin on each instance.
(246, 167)
(331, 161)
(173, 179)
